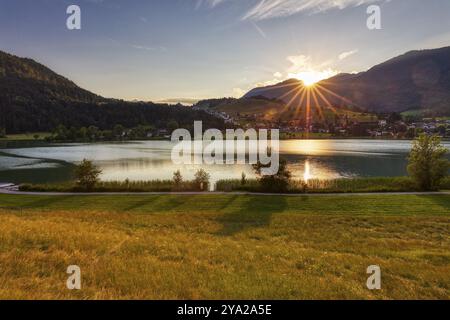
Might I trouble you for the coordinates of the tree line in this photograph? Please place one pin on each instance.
(18, 116)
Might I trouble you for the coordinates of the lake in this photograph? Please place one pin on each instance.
(148, 160)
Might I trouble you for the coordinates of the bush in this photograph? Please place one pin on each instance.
(243, 179)
(278, 182)
(379, 184)
(202, 179)
(251, 185)
(115, 186)
(177, 178)
(427, 163)
(87, 175)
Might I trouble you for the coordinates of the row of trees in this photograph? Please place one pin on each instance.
(32, 116)
(87, 176)
(93, 133)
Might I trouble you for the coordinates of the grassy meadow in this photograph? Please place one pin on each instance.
(225, 246)
(26, 136)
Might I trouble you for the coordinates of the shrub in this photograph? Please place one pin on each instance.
(202, 179)
(177, 178)
(378, 184)
(278, 182)
(87, 174)
(427, 163)
(243, 179)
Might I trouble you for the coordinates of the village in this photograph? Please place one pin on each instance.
(387, 126)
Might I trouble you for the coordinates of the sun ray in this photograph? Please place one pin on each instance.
(298, 87)
(300, 105)
(278, 86)
(308, 111)
(328, 103)
(294, 97)
(336, 95)
(317, 105)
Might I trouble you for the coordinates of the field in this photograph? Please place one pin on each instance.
(225, 246)
(26, 136)
(276, 110)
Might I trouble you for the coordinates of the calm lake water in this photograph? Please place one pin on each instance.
(147, 160)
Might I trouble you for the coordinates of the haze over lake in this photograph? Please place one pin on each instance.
(149, 160)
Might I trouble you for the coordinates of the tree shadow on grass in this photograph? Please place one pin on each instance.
(228, 202)
(440, 200)
(138, 204)
(251, 212)
(158, 204)
(173, 202)
(46, 202)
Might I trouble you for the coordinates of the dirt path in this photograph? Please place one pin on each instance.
(13, 190)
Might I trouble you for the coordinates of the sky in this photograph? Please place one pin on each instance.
(158, 50)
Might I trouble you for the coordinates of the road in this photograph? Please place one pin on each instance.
(13, 190)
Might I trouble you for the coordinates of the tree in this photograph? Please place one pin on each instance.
(411, 133)
(172, 125)
(61, 132)
(92, 132)
(243, 179)
(118, 131)
(82, 133)
(427, 163)
(278, 182)
(177, 178)
(394, 117)
(87, 174)
(202, 179)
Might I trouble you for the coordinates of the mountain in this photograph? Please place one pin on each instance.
(23, 79)
(258, 109)
(34, 98)
(417, 80)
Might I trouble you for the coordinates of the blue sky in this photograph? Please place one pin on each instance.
(167, 49)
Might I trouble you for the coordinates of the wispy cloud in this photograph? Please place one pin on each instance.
(210, 3)
(346, 54)
(158, 48)
(260, 31)
(267, 9)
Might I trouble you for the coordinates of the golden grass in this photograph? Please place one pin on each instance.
(223, 251)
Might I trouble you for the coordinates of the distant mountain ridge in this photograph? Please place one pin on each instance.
(25, 79)
(417, 80)
(34, 98)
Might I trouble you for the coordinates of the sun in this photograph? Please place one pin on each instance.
(311, 77)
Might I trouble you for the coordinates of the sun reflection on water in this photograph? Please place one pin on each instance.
(307, 173)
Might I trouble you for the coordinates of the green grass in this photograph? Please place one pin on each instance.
(379, 184)
(376, 184)
(26, 136)
(116, 186)
(225, 246)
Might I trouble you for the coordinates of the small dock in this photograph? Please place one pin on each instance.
(8, 186)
